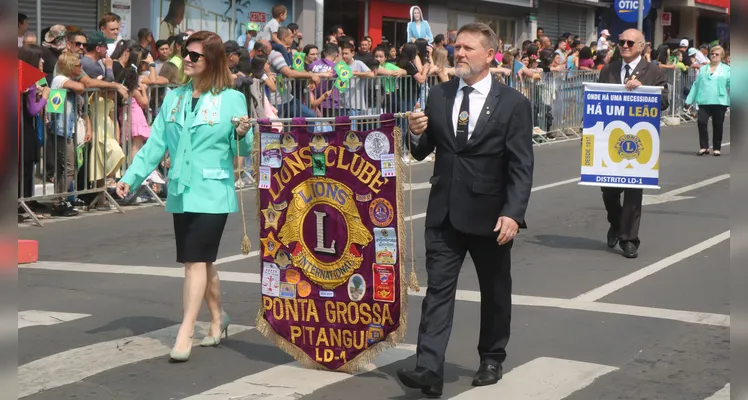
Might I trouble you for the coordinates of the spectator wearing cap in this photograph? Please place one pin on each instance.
(247, 39)
(702, 57)
(683, 46)
(95, 62)
(602, 43)
(233, 56)
(164, 54)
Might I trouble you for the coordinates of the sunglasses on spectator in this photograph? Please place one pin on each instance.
(191, 55)
(716, 54)
(630, 43)
(80, 44)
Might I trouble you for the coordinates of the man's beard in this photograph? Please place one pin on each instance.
(462, 70)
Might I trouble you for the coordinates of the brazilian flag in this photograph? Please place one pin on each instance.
(344, 71)
(341, 85)
(298, 61)
(56, 102)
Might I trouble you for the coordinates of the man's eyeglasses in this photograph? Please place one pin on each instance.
(80, 44)
(623, 43)
(192, 55)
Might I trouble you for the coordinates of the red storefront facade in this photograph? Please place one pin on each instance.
(387, 19)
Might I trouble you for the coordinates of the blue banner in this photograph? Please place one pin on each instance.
(621, 136)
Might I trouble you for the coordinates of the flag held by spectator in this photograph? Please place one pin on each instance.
(298, 61)
(56, 103)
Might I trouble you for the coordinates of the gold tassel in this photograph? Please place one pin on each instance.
(413, 280)
(246, 244)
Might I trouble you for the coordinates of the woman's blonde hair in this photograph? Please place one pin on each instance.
(170, 71)
(66, 64)
(440, 57)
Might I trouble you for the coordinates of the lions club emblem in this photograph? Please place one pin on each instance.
(625, 146)
(326, 234)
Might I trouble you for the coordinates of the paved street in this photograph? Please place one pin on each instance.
(98, 314)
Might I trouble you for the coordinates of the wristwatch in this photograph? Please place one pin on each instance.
(152, 65)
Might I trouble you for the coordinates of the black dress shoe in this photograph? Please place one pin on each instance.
(433, 391)
(612, 238)
(430, 383)
(629, 250)
(488, 374)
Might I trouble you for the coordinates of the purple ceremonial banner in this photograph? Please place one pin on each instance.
(331, 233)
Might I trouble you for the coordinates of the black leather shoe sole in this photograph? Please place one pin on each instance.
(433, 391)
(612, 242)
(414, 383)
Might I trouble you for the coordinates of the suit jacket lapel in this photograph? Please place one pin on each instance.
(492, 100)
(640, 70)
(616, 69)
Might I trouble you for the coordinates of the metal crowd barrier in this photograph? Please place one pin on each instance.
(73, 165)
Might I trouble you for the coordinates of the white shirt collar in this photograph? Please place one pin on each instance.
(483, 86)
(633, 64)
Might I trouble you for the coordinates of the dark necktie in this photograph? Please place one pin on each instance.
(463, 117)
(628, 73)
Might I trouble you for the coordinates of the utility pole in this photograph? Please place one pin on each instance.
(319, 21)
(640, 23)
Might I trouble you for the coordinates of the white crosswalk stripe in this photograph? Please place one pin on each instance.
(274, 384)
(541, 379)
(77, 364)
(722, 394)
(30, 318)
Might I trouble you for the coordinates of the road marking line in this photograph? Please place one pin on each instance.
(35, 318)
(462, 295)
(291, 381)
(240, 257)
(611, 287)
(543, 378)
(722, 394)
(80, 363)
(674, 195)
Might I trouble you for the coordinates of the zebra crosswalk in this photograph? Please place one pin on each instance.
(538, 378)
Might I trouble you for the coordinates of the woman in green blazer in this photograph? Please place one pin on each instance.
(195, 126)
(711, 92)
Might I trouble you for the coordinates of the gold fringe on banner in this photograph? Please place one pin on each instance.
(358, 363)
(246, 243)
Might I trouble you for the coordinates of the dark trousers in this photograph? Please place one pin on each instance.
(625, 218)
(717, 113)
(445, 252)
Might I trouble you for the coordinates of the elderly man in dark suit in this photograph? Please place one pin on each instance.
(633, 71)
(482, 131)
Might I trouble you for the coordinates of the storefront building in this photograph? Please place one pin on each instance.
(701, 21)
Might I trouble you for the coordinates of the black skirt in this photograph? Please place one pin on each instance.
(198, 236)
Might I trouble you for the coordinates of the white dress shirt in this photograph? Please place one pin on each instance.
(633, 65)
(477, 100)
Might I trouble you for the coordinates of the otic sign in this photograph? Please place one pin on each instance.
(621, 136)
(333, 296)
(628, 10)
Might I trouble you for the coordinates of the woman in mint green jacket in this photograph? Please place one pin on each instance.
(711, 92)
(195, 126)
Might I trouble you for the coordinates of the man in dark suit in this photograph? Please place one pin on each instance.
(482, 131)
(633, 71)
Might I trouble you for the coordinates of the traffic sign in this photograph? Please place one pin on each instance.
(628, 10)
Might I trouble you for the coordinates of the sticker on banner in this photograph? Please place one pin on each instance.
(271, 245)
(352, 142)
(283, 259)
(388, 165)
(318, 143)
(384, 283)
(376, 144)
(303, 288)
(280, 206)
(326, 294)
(270, 153)
(356, 287)
(287, 291)
(264, 178)
(289, 143)
(374, 334)
(271, 217)
(270, 279)
(292, 276)
(318, 164)
(385, 241)
(363, 198)
(381, 212)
